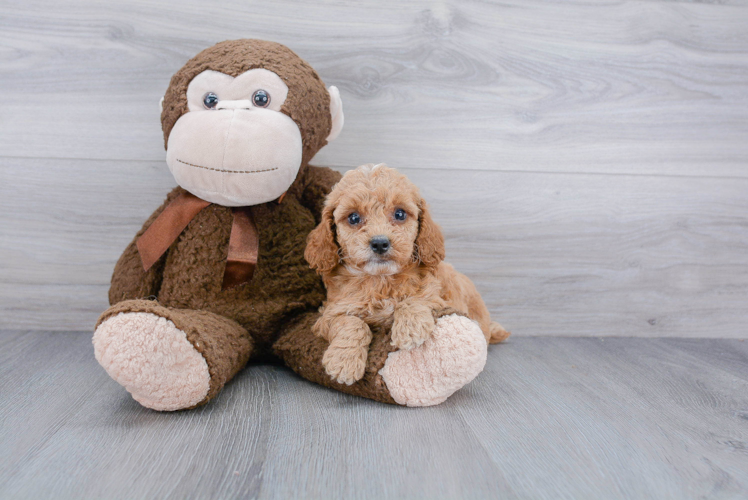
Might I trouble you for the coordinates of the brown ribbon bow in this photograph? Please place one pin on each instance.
(244, 241)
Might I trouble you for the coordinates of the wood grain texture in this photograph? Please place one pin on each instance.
(548, 418)
(634, 87)
(587, 160)
(561, 254)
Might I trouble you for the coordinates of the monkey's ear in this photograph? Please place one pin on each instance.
(321, 249)
(161, 105)
(430, 241)
(336, 112)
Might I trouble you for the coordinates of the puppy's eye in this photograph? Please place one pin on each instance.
(400, 214)
(354, 219)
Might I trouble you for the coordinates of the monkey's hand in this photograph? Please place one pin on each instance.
(345, 358)
(412, 325)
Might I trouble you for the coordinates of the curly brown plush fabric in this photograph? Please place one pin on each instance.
(189, 275)
(229, 326)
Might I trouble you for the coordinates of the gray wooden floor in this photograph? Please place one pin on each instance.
(548, 418)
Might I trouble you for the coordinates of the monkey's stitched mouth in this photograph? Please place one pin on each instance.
(228, 171)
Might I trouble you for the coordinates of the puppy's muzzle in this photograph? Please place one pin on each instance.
(380, 244)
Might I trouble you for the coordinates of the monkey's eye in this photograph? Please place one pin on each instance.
(261, 99)
(210, 100)
(354, 219)
(400, 214)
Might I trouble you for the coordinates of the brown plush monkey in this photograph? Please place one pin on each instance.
(216, 277)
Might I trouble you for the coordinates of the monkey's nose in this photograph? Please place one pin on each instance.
(380, 244)
(239, 104)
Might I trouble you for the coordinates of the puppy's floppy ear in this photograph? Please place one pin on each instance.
(321, 249)
(430, 241)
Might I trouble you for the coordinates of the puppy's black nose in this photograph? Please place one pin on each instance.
(380, 244)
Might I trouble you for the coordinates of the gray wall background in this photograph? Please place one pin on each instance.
(588, 162)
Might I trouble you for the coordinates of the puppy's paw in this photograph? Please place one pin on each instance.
(321, 327)
(412, 326)
(345, 365)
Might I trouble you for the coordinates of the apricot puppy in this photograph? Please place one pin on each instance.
(380, 256)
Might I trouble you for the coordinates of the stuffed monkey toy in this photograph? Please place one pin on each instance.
(216, 277)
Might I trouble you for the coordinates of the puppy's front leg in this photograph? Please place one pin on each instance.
(345, 358)
(413, 324)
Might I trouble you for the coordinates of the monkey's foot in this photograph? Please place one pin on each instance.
(151, 358)
(427, 375)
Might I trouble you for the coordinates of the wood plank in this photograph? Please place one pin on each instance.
(634, 87)
(562, 254)
(548, 418)
(588, 409)
(587, 255)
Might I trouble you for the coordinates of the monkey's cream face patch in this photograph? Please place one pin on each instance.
(243, 87)
(238, 153)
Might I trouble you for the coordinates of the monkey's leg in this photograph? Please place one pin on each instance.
(302, 351)
(426, 375)
(450, 358)
(169, 359)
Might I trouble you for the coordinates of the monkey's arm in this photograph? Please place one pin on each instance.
(317, 185)
(129, 281)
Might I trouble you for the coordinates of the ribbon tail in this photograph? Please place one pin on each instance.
(244, 244)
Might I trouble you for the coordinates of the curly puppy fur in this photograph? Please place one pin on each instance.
(398, 288)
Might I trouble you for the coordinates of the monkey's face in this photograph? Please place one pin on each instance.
(242, 117)
(234, 147)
